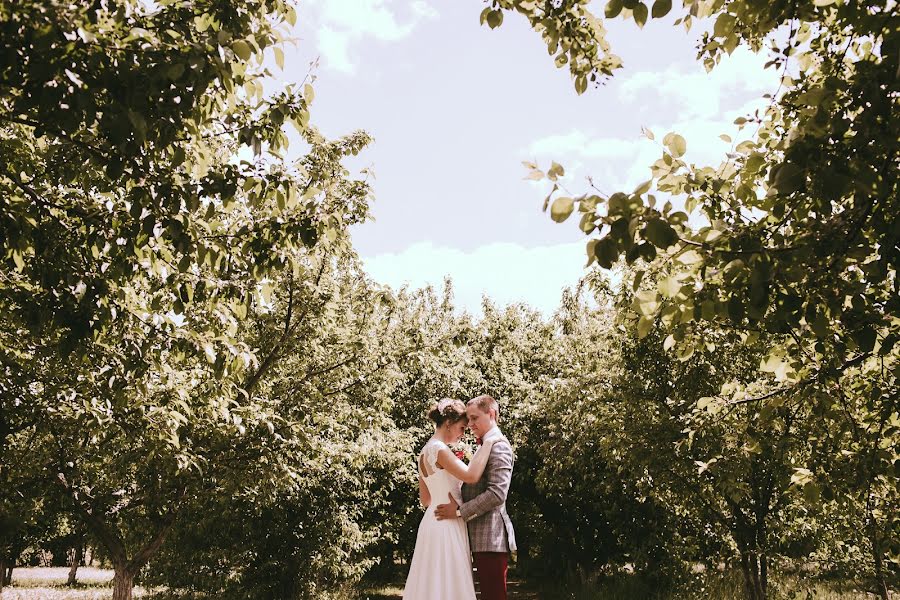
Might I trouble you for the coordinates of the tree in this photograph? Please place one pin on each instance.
(800, 245)
(134, 241)
(821, 158)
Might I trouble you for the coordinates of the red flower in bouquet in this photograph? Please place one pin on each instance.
(462, 452)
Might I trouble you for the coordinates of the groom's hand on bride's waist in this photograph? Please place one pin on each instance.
(447, 511)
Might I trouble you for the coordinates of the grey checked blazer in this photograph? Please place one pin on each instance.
(484, 504)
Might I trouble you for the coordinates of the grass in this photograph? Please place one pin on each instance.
(94, 584)
(49, 583)
(715, 586)
(381, 593)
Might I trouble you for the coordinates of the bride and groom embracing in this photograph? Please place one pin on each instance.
(466, 507)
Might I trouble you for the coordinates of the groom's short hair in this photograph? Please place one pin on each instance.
(485, 404)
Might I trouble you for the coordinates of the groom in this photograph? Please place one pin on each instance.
(484, 503)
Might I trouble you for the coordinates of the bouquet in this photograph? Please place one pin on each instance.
(462, 452)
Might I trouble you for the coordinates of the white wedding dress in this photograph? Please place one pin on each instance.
(441, 567)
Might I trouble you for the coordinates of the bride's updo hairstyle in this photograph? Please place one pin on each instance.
(447, 410)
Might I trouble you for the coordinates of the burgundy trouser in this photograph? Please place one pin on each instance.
(491, 574)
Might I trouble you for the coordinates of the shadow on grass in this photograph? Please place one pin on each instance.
(380, 593)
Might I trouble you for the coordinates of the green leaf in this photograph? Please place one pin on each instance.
(811, 493)
(645, 325)
(640, 14)
(691, 257)
(616, 204)
(660, 233)
(865, 338)
(279, 57)
(555, 171)
(745, 147)
(669, 343)
(643, 188)
(676, 145)
(587, 225)
(591, 254)
(242, 49)
(724, 25)
(607, 252)
(494, 19)
(175, 71)
(661, 8)
(114, 168)
(638, 277)
(669, 286)
(685, 352)
(647, 302)
(613, 8)
(561, 208)
(580, 84)
(139, 124)
(550, 195)
(789, 178)
(801, 476)
(711, 404)
(710, 235)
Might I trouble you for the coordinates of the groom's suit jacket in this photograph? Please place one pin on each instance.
(484, 503)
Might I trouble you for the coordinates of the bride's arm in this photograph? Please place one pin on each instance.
(466, 473)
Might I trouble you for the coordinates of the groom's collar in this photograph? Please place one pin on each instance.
(492, 433)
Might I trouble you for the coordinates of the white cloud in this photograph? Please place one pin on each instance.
(613, 163)
(344, 24)
(696, 93)
(424, 9)
(705, 106)
(505, 272)
(365, 17)
(333, 46)
(576, 142)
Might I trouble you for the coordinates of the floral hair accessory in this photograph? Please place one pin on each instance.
(443, 404)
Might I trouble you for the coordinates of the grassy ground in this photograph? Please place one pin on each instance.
(718, 587)
(715, 586)
(39, 583)
(94, 584)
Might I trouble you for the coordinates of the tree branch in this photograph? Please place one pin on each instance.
(289, 328)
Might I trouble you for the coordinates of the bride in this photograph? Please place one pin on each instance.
(441, 567)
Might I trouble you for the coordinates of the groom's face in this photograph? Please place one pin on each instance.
(479, 422)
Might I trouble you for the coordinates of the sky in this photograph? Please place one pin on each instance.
(454, 109)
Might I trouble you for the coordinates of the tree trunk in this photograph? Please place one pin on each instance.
(754, 568)
(123, 582)
(77, 557)
(2, 573)
(748, 579)
(8, 574)
(880, 583)
(764, 574)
